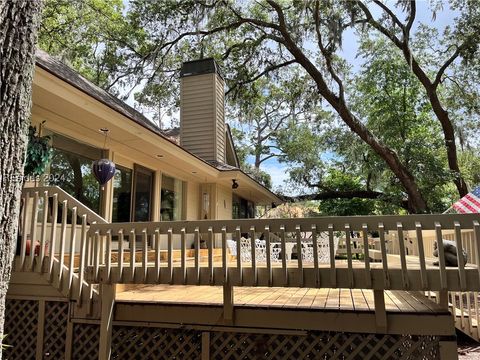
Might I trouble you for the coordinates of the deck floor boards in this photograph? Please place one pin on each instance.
(287, 298)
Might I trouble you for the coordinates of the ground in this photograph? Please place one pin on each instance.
(467, 348)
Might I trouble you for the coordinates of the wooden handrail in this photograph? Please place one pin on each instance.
(405, 273)
(62, 195)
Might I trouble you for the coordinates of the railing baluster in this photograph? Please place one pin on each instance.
(33, 231)
(224, 255)
(254, 254)
(462, 318)
(349, 255)
(331, 244)
(121, 250)
(210, 254)
(469, 312)
(63, 235)
(421, 255)
(454, 305)
(43, 236)
(268, 255)
(183, 260)
(284, 255)
(298, 235)
(366, 255)
(81, 270)
(460, 259)
(23, 247)
(132, 237)
(53, 234)
(96, 255)
(197, 253)
(315, 255)
(383, 250)
(157, 255)
(73, 236)
(403, 258)
(238, 236)
(144, 255)
(441, 256)
(108, 260)
(476, 239)
(170, 255)
(477, 316)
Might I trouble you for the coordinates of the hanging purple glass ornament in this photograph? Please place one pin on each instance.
(103, 170)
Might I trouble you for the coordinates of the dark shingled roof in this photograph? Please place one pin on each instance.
(62, 71)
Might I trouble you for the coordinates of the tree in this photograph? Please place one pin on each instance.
(261, 38)
(393, 103)
(462, 42)
(19, 21)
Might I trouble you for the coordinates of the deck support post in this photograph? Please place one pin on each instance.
(205, 345)
(228, 303)
(448, 348)
(380, 312)
(443, 299)
(107, 293)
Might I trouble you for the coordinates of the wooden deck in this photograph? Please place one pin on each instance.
(287, 298)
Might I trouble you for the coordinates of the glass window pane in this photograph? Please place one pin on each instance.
(122, 194)
(171, 207)
(73, 173)
(143, 194)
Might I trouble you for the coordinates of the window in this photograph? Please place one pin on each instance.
(171, 207)
(71, 169)
(122, 194)
(241, 208)
(143, 193)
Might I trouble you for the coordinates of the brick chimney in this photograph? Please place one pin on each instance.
(202, 109)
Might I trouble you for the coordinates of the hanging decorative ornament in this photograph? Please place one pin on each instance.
(103, 169)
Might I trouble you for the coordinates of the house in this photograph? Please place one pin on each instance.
(157, 178)
(121, 272)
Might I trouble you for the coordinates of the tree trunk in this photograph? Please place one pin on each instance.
(19, 21)
(416, 202)
(443, 118)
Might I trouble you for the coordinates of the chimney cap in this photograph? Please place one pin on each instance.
(199, 67)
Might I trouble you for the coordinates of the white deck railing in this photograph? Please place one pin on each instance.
(142, 246)
(76, 249)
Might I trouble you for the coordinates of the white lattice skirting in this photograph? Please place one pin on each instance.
(24, 319)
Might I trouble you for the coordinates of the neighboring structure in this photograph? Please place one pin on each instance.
(156, 178)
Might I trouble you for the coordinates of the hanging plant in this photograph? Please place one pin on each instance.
(39, 153)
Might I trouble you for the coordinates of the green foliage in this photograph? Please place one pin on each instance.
(339, 181)
(39, 153)
(94, 37)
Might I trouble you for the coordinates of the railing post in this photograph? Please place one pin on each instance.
(228, 303)
(380, 312)
(107, 293)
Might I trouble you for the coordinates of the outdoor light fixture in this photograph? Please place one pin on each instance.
(103, 169)
(234, 184)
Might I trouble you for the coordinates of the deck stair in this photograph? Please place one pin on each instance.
(51, 216)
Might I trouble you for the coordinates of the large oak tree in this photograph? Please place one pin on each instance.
(19, 21)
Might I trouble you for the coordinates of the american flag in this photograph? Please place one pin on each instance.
(470, 203)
